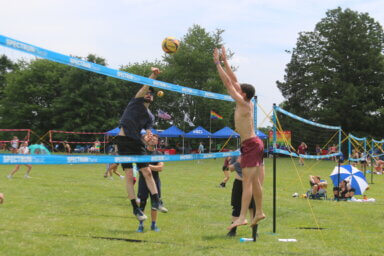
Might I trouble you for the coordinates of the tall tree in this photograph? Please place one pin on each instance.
(336, 73)
(6, 66)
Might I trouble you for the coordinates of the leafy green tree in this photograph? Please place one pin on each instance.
(336, 73)
(6, 66)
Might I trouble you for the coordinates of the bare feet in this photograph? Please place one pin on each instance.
(256, 220)
(237, 223)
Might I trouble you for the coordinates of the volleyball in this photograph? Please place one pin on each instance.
(160, 94)
(170, 45)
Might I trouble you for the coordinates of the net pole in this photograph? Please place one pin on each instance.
(372, 154)
(254, 228)
(349, 149)
(274, 169)
(365, 156)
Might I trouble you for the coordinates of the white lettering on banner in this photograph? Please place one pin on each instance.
(125, 159)
(161, 84)
(125, 75)
(17, 159)
(158, 158)
(80, 159)
(226, 154)
(187, 90)
(198, 131)
(208, 94)
(184, 157)
(208, 156)
(81, 63)
(19, 45)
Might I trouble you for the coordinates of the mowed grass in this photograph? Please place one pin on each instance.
(73, 210)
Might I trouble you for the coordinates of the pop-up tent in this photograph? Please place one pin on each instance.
(261, 135)
(113, 132)
(226, 132)
(172, 132)
(198, 132)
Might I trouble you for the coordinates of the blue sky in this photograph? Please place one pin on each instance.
(127, 31)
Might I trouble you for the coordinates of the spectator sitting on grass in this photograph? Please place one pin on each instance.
(318, 186)
(344, 191)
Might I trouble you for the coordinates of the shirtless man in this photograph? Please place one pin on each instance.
(252, 147)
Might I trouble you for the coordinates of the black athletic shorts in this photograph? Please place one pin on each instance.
(143, 191)
(128, 146)
(237, 192)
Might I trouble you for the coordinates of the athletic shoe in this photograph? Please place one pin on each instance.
(140, 229)
(139, 214)
(27, 176)
(9, 176)
(155, 228)
(121, 177)
(158, 206)
(231, 233)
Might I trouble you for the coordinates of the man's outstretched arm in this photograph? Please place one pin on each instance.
(229, 71)
(226, 79)
(141, 93)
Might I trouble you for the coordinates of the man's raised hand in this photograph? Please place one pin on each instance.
(216, 56)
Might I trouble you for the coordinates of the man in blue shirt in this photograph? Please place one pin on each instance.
(137, 116)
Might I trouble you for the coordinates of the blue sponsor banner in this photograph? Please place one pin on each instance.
(305, 120)
(105, 159)
(82, 64)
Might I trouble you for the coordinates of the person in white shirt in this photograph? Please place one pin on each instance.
(25, 151)
(14, 144)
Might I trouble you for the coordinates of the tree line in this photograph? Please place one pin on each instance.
(335, 76)
(42, 95)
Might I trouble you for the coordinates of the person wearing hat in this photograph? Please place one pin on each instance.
(136, 117)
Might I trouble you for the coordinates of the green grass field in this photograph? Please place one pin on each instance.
(73, 210)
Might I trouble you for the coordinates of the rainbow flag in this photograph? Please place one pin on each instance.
(214, 115)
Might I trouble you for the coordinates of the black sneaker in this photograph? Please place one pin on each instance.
(158, 206)
(231, 233)
(139, 214)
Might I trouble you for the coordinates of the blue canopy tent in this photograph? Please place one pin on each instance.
(261, 135)
(226, 132)
(201, 133)
(172, 132)
(113, 132)
(198, 132)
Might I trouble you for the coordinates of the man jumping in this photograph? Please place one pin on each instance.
(137, 116)
(252, 147)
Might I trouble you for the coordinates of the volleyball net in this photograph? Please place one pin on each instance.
(119, 74)
(357, 148)
(290, 131)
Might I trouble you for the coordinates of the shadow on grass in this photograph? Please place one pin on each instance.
(215, 237)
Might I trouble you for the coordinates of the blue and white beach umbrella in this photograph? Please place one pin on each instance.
(353, 175)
